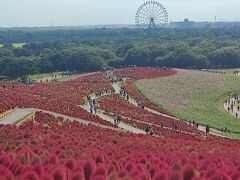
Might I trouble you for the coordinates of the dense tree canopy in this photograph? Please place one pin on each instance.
(225, 57)
(90, 50)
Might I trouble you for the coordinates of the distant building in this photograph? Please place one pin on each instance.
(183, 25)
(191, 24)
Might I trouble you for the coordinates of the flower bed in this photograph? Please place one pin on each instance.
(143, 72)
(73, 91)
(50, 148)
(60, 97)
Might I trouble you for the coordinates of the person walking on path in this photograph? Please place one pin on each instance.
(127, 97)
(151, 131)
(147, 130)
(115, 119)
(207, 129)
(95, 109)
(91, 109)
(173, 126)
(118, 119)
(94, 102)
(162, 124)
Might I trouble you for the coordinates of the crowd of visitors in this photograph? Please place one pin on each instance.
(117, 119)
(233, 107)
(92, 104)
(193, 123)
(236, 73)
(104, 92)
(233, 104)
(149, 130)
(124, 94)
(213, 71)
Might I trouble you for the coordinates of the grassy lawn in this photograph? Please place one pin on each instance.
(15, 45)
(44, 76)
(18, 45)
(195, 95)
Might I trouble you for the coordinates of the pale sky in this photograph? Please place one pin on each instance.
(98, 12)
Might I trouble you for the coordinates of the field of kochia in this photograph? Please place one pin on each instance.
(195, 96)
(50, 146)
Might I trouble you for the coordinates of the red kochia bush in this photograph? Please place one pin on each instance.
(77, 176)
(59, 173)
(30, 175)
(100, 173)
(188, 172)
(146, 158)
(5, 173)
(38, 168)
(143, 72)
(88, 168)
(99, 159)
(174, 175)
(160, 175)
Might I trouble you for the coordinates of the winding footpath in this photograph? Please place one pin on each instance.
(21, 113)
(101, 114)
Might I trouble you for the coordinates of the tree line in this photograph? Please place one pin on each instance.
(91, 50)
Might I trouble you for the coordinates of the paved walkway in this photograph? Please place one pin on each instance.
(15, 116)
(121, 125)
(7, 113)
(22, 113)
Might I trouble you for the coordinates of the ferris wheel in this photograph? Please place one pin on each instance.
(151, 14)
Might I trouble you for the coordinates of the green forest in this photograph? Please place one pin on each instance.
(52, 50)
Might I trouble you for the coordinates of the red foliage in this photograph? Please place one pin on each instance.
(48, 148)
(68, 149)
(60, 97)
(143, 72)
